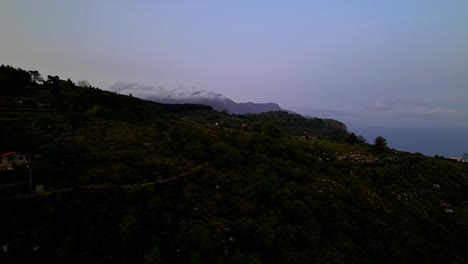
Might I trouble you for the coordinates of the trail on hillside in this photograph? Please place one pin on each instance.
(108, 186)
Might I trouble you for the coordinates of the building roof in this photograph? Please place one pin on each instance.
(8, 154)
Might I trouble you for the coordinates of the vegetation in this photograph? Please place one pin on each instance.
(133, 181)
(380, 144)
(352, 139)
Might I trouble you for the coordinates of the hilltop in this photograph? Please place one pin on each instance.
(130, 181)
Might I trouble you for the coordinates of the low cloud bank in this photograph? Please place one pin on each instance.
(160, 92)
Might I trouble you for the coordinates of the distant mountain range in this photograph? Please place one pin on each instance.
(217, 101)
(223, 104)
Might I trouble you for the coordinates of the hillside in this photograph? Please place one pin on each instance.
(134, 181)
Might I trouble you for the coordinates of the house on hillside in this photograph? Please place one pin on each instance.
(13, 160)
(456, 159)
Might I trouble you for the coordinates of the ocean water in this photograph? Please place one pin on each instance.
(431, 140)
(448, 142)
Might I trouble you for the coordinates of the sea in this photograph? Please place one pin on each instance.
(430, 141)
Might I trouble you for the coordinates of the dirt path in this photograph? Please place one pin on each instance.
(108, 186)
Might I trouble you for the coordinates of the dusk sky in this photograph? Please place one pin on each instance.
(382, 63)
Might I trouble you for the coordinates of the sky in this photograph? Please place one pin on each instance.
(371, 63)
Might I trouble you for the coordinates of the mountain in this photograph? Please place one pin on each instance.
(221, 103)
(218, 101)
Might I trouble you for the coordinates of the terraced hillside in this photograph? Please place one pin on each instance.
(131, 181)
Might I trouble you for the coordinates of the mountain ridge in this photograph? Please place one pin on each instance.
(182, 95)
(224, 104)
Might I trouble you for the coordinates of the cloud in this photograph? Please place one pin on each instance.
(160, 92)
(379, 106)
(122, 87)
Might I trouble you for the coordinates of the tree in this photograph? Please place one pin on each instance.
(465, 156)
(36, 77)
(271, 130)
(13, 82)
(53, 83)
(380, 144)
(83, 83)
(361, 140)
(352, 139)
(73, 119)
(154, 256)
